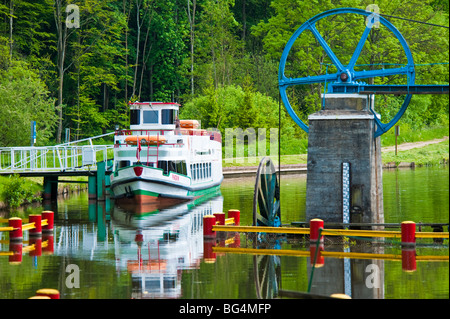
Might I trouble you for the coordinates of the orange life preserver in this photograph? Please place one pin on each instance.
(146, 139)
(189, 124)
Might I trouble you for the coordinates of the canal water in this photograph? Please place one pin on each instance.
(99, 250)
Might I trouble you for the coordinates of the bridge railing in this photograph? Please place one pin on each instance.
(52, 158)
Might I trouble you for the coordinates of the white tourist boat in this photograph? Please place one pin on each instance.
(162, 160)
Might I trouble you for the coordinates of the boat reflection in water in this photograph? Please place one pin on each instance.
(156, 245)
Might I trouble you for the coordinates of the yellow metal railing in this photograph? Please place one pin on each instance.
(332, 254)
(328, 232)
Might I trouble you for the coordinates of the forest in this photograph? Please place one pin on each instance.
(217, 58)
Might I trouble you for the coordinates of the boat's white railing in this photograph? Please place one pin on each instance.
(170, 140)
(152, 150)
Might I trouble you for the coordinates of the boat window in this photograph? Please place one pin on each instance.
(163, 165)
(152, 284)
(172, 166)
(150, 117)
(181, 167)
(194, 175)
(168, 116)
(122, 164)
(134, 117)
(149, 164)
(169, 283)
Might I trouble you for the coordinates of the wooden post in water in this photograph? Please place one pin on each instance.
(37, 242)
(236, 214)
(409, 259)
(49, 216)
(397, 133)
(15, 234)
(408, 230)
(52, 293)
(208, 222)
(315, 225)
(220, 218)
(37, 220)
(15, 246)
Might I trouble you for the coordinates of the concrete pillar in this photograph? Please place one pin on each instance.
(343, 132)
(50, 187)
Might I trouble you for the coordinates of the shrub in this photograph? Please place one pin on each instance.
(18, 191)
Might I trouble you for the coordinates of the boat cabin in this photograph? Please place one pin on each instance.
(153, 115)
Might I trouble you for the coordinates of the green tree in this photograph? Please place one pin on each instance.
(217, 32)
(168, 58)
(24, 98)
(224, 108)
(248, 110)
(205, 108)
(191, 10)
(98, 68)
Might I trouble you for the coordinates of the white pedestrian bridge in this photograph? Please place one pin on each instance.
(67, 159)
(77, 158)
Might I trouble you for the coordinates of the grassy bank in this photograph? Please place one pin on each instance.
(428, 155)
(409, 135)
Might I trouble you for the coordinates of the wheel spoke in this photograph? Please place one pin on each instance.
(309, 79)
(325, 46)
(380, 73)
(359, 47)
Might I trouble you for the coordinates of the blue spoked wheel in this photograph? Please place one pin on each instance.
(346, 76)
(266, 197)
